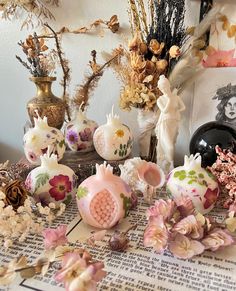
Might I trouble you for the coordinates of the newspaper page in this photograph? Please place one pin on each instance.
(137, 268)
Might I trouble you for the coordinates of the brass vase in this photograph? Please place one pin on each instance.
(46, 103)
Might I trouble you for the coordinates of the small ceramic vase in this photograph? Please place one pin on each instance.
(103, 199)
(51, 182)
(195, 182)
(79, 133)
(113, 140)
(38, 139)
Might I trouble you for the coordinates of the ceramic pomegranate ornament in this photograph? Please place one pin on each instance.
(103, 199)
(195, 182)
(51, 182)
(79, 133)
(113, 140)
(37, 140)
(142, 176)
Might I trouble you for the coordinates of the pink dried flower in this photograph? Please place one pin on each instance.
(185, 205)
(78, 274)
(189, 226)
(156, 234)
(185, 248)
(162, 207)
(54, 237)
(218, 238)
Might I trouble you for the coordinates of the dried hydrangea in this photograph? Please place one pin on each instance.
(183, 231)
(224, 170)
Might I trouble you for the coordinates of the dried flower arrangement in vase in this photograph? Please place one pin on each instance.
(41, 64)
(157, 35)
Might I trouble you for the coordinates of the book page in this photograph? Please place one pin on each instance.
(137, 268)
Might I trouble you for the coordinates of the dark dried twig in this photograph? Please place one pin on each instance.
(82, 93)
(64, 66)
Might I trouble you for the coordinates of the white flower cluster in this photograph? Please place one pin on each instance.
(16, 225)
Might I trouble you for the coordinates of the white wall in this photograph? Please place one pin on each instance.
(16, 89)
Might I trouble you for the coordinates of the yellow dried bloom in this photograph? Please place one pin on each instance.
(155, 47)
(174, 51)
(161, 65)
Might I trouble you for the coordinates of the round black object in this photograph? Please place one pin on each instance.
(207, 136)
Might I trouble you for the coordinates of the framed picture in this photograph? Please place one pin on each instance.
(214, 97)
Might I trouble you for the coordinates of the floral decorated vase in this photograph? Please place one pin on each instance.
(41, 138)
(51, 182)
(79, 133)
(195, 182)
(103, 199)
(113, 140)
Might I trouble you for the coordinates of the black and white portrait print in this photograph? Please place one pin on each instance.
(226, 96)
(214, 98)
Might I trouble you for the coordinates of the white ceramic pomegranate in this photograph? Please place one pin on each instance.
(113, 140)
(103, 199)
(79, 133)
(195, 182)
(38, 139)
(51, 182)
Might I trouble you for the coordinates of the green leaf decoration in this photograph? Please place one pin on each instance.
(126, 203)
(41, 179)
(82, 192)
(176, 174)
(190, 182)
(191, 173)
(182, 177)
(211, 175)
(115, 152)
(201, 176)
(61, 143)
(68, 199)
(183, 172)
(121, 146)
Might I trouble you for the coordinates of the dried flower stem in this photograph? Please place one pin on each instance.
(83, 93)
(65, 69)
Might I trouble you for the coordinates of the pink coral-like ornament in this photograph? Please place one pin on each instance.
(103, 199)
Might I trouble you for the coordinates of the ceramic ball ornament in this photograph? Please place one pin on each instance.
(103, 199)
(113, 140)
(51, 182)
(195, 182)
(37, 140)
(79, 133)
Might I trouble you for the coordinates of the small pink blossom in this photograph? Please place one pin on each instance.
(218, 238)
(185, 205)
(156, 234)
(162, 207)
(78, 274)
(185, 248)
(55, 237)
(189, 226)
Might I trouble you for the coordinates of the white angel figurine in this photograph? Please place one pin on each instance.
(170, 105)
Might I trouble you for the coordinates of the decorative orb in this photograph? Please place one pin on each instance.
(103, 199)
(194, 182)
(113, 140)
(207, 136)
(51, 182)
(43, 138)
(79, 133)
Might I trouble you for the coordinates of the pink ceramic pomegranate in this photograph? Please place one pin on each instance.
(103, 199)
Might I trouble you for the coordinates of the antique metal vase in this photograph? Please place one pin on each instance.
(46, 103)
